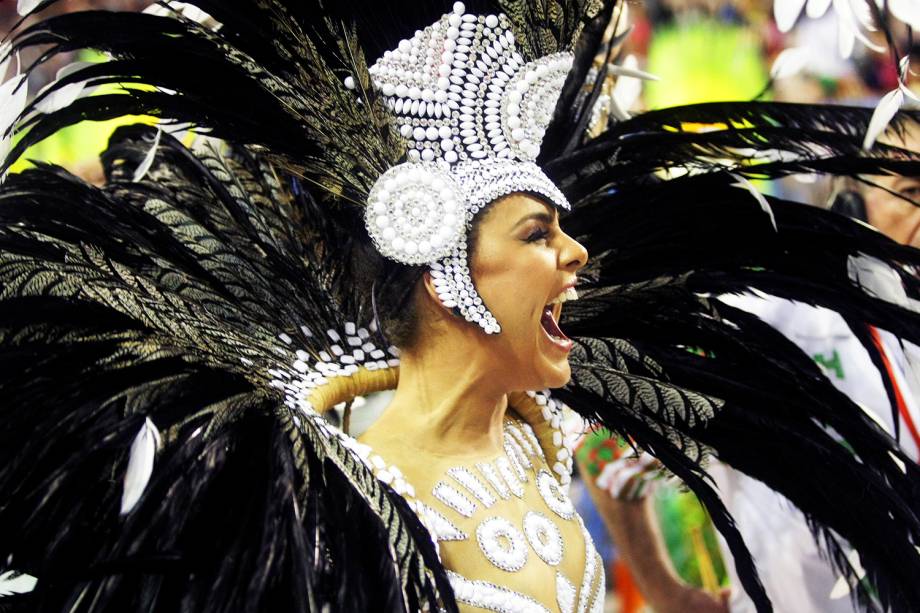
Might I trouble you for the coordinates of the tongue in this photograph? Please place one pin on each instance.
(550, 325)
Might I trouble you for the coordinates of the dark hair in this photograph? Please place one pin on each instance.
(390, 287)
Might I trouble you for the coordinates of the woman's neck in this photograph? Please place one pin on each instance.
(447, 403)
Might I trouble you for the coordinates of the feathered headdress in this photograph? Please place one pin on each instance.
(182, 325)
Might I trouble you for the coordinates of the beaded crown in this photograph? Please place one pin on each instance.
(473, 114)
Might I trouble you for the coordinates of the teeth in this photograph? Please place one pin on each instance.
(565, 296)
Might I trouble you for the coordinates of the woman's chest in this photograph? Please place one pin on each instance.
(508, 533)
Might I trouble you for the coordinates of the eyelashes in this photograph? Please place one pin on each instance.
(536, 235)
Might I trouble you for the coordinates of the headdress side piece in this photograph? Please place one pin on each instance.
(473, 113)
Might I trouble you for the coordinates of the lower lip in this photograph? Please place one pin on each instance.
(564, 345)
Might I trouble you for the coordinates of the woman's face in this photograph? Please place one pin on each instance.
(522, 263)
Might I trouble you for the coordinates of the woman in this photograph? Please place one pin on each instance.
(171, 342)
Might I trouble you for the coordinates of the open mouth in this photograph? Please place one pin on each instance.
(549, 321)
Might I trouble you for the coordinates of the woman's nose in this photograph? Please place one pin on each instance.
(574, 254)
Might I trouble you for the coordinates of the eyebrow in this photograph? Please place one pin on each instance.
(541, 216)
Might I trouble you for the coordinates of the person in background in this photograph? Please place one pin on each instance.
(883, 378)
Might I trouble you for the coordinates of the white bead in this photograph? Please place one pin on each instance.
(447, 144)
(402, 90)
(398, 243)
(518, 134)
(383, 221)
(513, 122)
(418, 133)
(454, 20)
(427, 95)
(514, 96)
(443, 84)
(431, 133)
(405, 46)
(350, 82)
(410, 247)
(414, 155)
(388, 233)
(405, 130)
(444, 132)
(429, 108)
(453, 33)
(450, 157)
(414, 93)
(389, 89)
(459, 8)
(427, 155)
(380, 208)
(491, 21)
(398, 107)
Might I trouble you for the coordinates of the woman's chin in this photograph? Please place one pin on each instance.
(556, 374)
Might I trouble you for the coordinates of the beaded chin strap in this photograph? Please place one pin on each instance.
(473, 113)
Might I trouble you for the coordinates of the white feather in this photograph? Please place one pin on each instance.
(846, 39)
(184, 9)
(628, 87)
(885, 111)
(5, 58)
(745, 184)
(13, 95)
(140, 465)
(907, 11)
(145, 165)
(789, 63)
(628, 69)
(850, 15)
(24, 7)
(61, 98)
(786, 13)
(20, 584)
(878, 279)
(816, 9)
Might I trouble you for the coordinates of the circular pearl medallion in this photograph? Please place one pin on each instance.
(502, 544)
(416, 213)
(553, 496)
(544, 537)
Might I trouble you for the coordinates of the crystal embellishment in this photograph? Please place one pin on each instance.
(443, 528)
(473, 114)
(471, 482)
(565, 594)
(451, 497)
(415, 213)
(491, 597)
(553, 496)
(502, 544)
(544, 537)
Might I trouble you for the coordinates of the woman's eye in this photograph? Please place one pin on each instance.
(536, 235)
(912, 192)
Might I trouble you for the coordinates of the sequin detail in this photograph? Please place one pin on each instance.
(502, 544)
(544, 537)
(565, 594)
(443, 528)
(553, 496)
(488, 471)
(492, 597)
(452, 497)
(507, 473)
(471, 482)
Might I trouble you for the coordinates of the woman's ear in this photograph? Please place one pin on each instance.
(432, 292)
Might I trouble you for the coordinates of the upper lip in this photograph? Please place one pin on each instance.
(561, 289)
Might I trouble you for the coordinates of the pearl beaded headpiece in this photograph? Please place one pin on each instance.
(473, 113)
